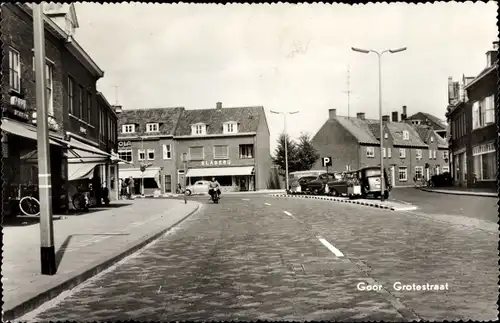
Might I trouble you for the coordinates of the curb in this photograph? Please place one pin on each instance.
(97, 267)
(458, 192)
(329, 198)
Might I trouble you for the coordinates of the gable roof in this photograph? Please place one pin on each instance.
(481, 75)
(62, 9)
(248, 119)
(396, 129)
(435, 121)
(359, 129)
(167, 118)
(425, 133)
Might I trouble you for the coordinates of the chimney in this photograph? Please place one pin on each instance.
(386, 118)
(395, 116)
(118, 108)
(491, 55)
(332, 113)
(218, 106)
(403, 115)
(451, 94)
(360, 115)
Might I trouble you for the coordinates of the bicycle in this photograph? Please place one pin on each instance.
(29, 204)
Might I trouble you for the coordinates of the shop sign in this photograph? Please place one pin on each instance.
(20, 114)
(51, 122)
(215, 162)
(18, 103)
(83, 130)
(123, 144)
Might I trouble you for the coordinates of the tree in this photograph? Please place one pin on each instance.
(307, 155)
(279, 153)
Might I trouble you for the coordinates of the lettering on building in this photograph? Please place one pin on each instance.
(122, 144)
(215, 162)
(51, 122)
(18, 103)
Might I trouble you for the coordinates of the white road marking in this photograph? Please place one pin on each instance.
(245, 199)
(335, 251)
(288, 213)
(267, 204)
(159, 289)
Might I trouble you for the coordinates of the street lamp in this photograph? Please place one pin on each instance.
(392, 51)
(286, 144)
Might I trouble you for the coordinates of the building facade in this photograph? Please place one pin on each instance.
(230, 144)
(472, 114)
(354, 143)
(73, 135)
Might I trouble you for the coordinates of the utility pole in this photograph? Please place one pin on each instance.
(47, 252)
(184, 161)
(348, 92)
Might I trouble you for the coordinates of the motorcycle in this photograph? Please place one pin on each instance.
(215, 196)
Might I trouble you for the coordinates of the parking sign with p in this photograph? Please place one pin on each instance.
(327, 161)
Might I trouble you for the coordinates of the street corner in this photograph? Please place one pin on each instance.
(387, 205)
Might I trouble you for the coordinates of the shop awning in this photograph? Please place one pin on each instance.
(23, 130)
(136, 173)
(84, 153)
(220, 171)
(80, 170)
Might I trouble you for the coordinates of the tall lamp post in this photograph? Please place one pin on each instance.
(47, 252)
(379, 54)
(286, 144)
(184, 161)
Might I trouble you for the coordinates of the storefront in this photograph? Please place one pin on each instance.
(231, 179)
(148, 181)
(485, 165)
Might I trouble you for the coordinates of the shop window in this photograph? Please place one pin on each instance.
(225, 180)
(246, 151)
(485, 166)
(403, 174)
(141, 154)
(196, 153)
(370, 152)
(151, 154)
(125, 154)
(150, 183)
(221, 152)
(15, 70)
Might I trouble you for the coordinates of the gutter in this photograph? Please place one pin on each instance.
(241, 134)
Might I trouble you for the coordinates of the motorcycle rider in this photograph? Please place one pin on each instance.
(213, 186)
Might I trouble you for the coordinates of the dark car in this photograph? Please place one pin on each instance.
(317, 185)
(361, 183)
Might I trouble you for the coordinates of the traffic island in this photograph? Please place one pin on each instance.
(85, 245)
(387, 205)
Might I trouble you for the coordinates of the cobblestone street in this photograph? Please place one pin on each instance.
(256, 257)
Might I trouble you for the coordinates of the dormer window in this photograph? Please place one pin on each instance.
(198, 129)
(128, 128)
(152, 127)
(406, 135)
(230, 127)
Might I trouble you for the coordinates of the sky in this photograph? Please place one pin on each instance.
(285, 57)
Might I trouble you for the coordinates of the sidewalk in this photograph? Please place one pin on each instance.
(462, 191)
(225, 193)
(85, 245)
(388, 204)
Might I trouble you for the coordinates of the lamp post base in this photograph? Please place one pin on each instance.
(48, 258)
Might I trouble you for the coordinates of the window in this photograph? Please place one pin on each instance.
(230, 127)
(71, 95)
(446, 169)
(489, 107)
(386, 135)
(151, 154)
(125, 154)
(246, 151)
(445, 154)
(89, 107)
(80, 103)
(430, 153)
(128, 128)
(485, 166)
(419, 172)
(196, 153)
(384, 151)
(402, 152)
(49, 89)
(434, 153)
(141, 154)
(221, 152)
(483, 112)
(370, 152)
(406, 135)
(14, 70)
(432, 139)
(389, 150)
(418, 153)
(403, 174)
(168, 183)
(198, 129)
(167, 151)
(152, 127)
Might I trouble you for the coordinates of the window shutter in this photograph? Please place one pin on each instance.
(475, 114)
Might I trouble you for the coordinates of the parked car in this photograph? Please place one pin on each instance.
(199, 187)
(294, 179)
(317, 185)
(361, 183)
(441, 180)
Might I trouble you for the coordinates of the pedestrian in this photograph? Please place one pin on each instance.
(130, 187)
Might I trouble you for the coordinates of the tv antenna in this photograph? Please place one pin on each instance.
(348, 92)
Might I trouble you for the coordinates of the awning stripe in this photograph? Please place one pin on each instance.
(220, 171)
(23, 130)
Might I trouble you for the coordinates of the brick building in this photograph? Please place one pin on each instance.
(472, 112)
(72, 106)
(354, 143)
(427, 119)
(231, 144)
